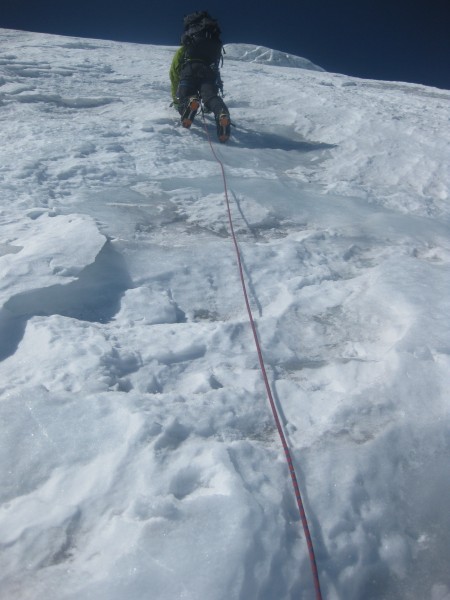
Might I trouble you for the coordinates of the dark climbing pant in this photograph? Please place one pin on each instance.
(197, 78)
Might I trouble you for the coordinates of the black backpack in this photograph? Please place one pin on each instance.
(201, 38)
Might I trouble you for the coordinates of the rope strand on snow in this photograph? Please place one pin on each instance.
(276, 417)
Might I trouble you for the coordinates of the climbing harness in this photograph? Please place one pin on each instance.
(287, 453)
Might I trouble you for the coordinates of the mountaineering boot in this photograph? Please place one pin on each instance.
(191, 110)
(223, 127)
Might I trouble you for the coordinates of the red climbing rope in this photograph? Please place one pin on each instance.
(287, 452)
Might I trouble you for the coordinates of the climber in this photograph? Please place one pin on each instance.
(195, 73)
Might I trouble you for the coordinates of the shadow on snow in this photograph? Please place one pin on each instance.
(95, 297)
(247, 138)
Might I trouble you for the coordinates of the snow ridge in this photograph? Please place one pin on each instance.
(263, 55)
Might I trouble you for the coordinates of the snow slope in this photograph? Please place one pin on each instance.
(138, 454)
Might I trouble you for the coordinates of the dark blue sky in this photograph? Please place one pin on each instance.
(379, 39)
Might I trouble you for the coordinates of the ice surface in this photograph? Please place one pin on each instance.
(138, 454)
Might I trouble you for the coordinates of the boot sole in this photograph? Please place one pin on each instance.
(224, 129)
(186, 121)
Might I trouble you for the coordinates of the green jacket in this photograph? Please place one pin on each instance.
(174, 72)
